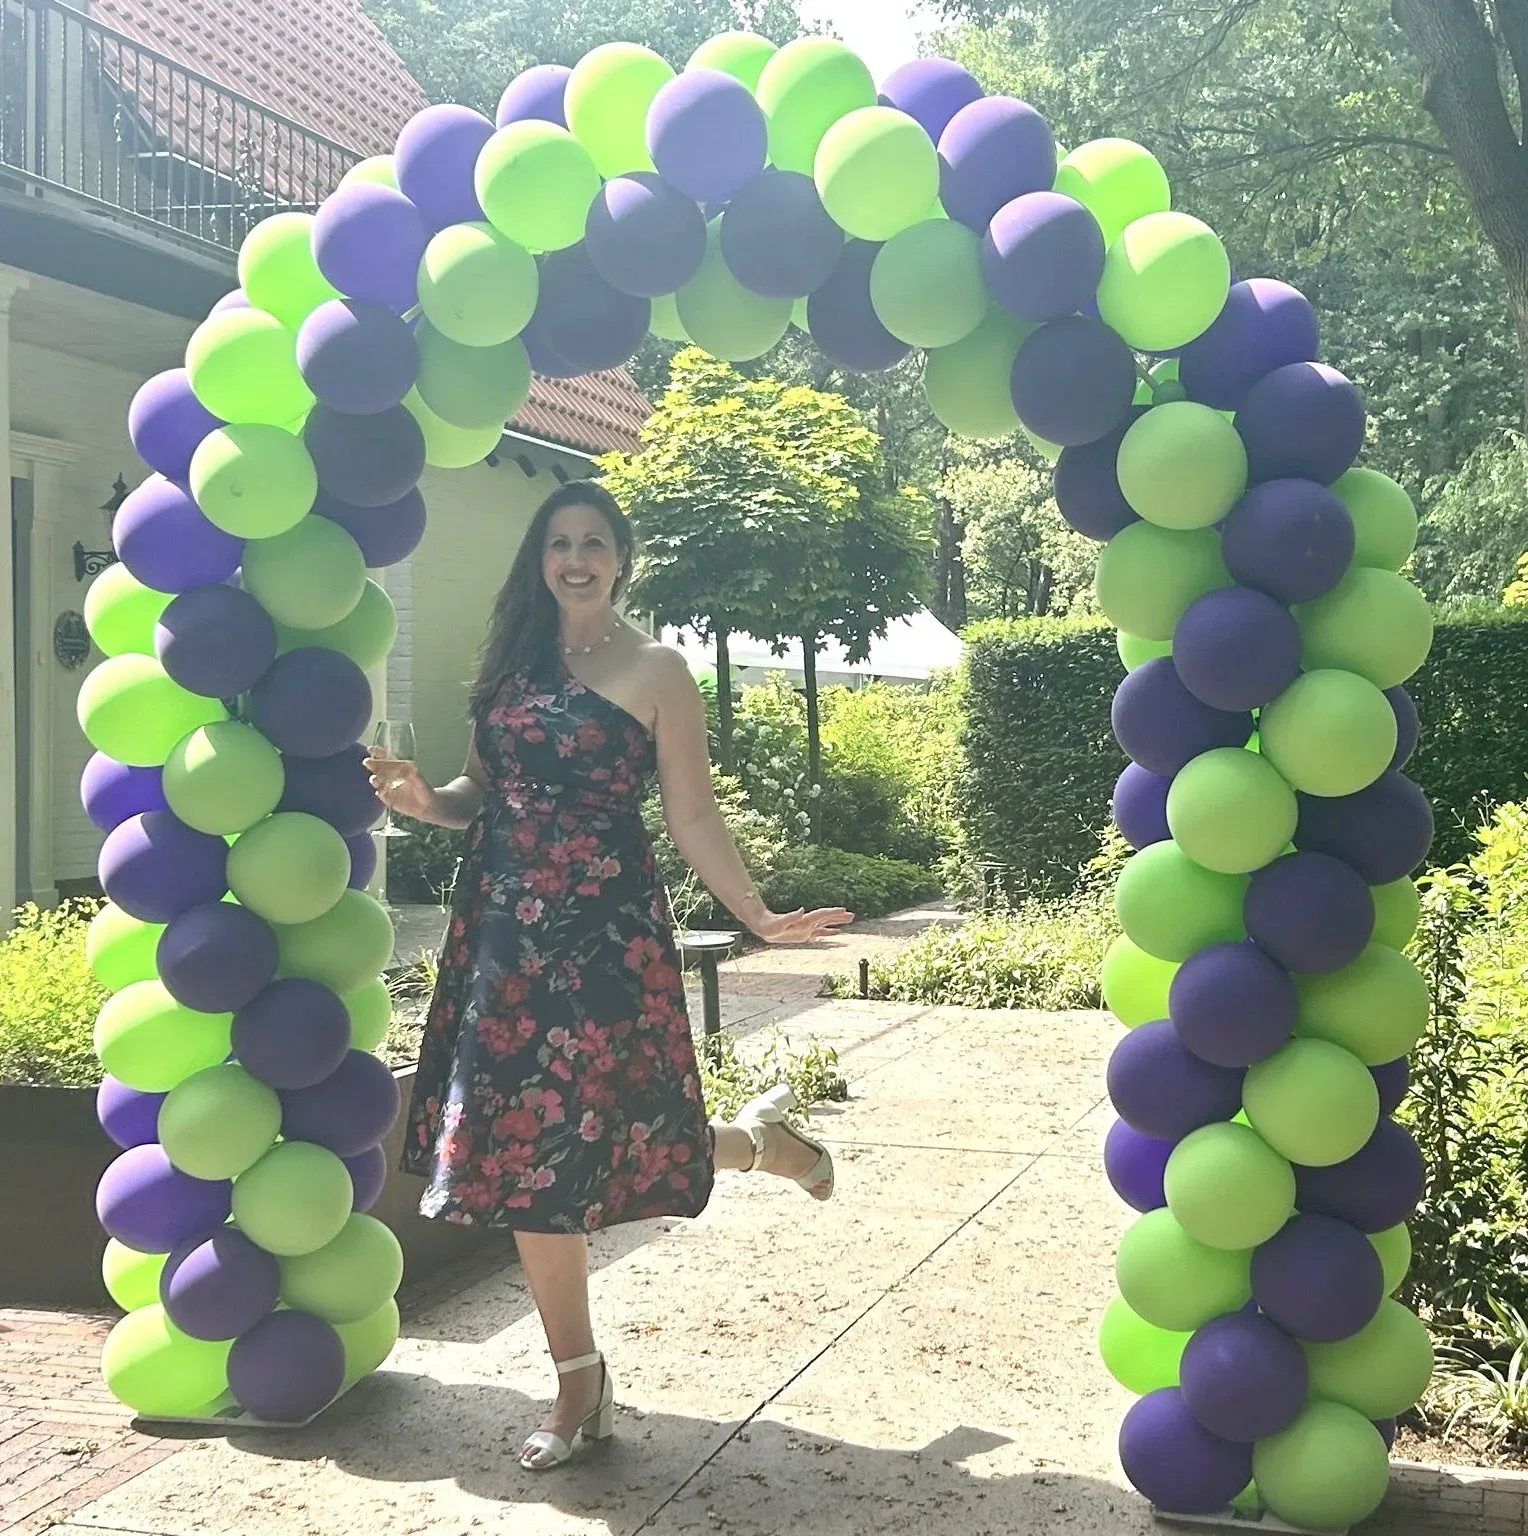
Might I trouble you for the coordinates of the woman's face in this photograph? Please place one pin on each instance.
(580, 561)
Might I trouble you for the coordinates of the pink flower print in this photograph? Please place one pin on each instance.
(593, 1217)
(530, 910)
(591, 1127)
(607, 868)
(543, 1178)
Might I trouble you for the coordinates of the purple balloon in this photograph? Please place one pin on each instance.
(368, 241)
(435, 160)
(843, 321)
(1387, 1429)
(1264, 325)
(386, 534)
(1073, 381)
(237, 299)
(215, 641)
(777, 239)
(1303, 421)
(287, 1368)
(1408, 726)
(335, 789)
(1393, 1079)
(351, 1109)
(166, 423)
(1376, 1189)
(162, 537)
(1244, 1378)
(1175, 1462)
(220, 1286)
(1136, 1166)
(368, 1176)
(357, 357)
(1292, 539)
(293, 1035)
(991, 152)
(155, 867)
(1163, 727)
(111, 792)
(536, 95)
(217, 957)
(149, 1205)
(367, 461)
(1236, 649)
(931, 92)
(707, 135)
(1087, 484)
(1140, 806)
(581, 321)
(546, 362)
(363, 860)
(1310, 912)
(1319, 1279)
(1232, 1006)
(1161, 1089)
(1042, 256)
(643, 236)
(1384, 831)
(312, 703)
(128, 1115)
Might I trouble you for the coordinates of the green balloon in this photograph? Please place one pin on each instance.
(350, 1277)
(369, 1342)
(1135, 652)
(253, 482)
(366, 634)
(1394, 1249)
(1117, 181)
(1165, 280)
(132, 1278)
(1379, 1372)
(665, 323)
(1135, 984)
(1170, 906)
(1313, 1102)
(1373, 622)
(1173, 1281)
(1228, 1188)
(536, 184)
(1141, 1357)
(1148, 576)
(276, 267)
(120, 949)
(472, 387)
(1384, 519)
(150, 1042)
(969, 384)
(877, 173)
(243, 368)
(608, 96)
(378, 170)
(131, 709)
(799, 316)
(224, 778)
(804, 89)
(476, 286)
(309, 577)
(1329, 1470)
(1231, 811)
(448, 447)
(120, 612)
(1050, 452)
(1377, 1007)
(926, 285)
(157, 1370)
(344, 949)
(294, 1200)
(1329, 733)
(219, 1122)
(722, 317)
(1397, 911)
(742, 55)
(1182, 466)
(370, 1008)
(292, 868)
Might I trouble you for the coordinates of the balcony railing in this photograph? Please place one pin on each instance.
(86, 109)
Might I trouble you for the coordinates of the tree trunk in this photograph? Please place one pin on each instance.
(949, 605)
(813, 731)
(723, 697)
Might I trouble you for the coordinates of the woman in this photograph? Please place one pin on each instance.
(558, 1091)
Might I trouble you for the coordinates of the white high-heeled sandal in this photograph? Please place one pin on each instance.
(769, 1109)
(543, 1451)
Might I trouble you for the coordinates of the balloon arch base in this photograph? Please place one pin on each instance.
(1231, 1523)
(230, 1417)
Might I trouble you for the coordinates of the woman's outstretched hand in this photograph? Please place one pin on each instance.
(802, 927)
(402, 787)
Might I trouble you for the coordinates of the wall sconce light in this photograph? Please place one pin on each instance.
(89, 563)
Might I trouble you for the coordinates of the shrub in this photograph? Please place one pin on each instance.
(422, 866)
(48, 998)
(832, 877)
(769, 755)
(729, 1082)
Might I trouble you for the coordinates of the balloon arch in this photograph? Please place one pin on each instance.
(1251, 569)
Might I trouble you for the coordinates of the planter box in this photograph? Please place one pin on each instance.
(53, 1153)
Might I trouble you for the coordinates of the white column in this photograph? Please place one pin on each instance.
(11, 283)
(377, 678)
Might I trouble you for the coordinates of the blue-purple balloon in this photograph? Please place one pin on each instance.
(643, 236)
(311, 703)
(1310, 912)
(1140, 806)
(777, 239)
(1042, 256)
(165, 540)
(293, 1035)
(367, 461)
(287, 1368)
(1232, 1006)
(1290, 538)
(435, 159)
(368, 240)
(1175, 1462)
(1236, 648)
(363, 860)
(707, 135)
(166, 423)
(1136, 1165)
(931, 92)
(155, 867)
(1384, 831)
(1375, 1189)
(215, 641)
(538, 94)
(111, 792)
(1243, 1377)
(1087, 484)
(1387, 1430)
(217, 957)
(1302, 421)
(368, 1176)
(1161, 1089)
(220, 1286)
(1163, 727)
(1264, 325)
(351, 1109)
(150, 1206)
(1393, 1079)
(582, 324)
(1408, 726)
(335, 789)
(129, 1116)
(386, 534)
(1319, 1279)
(1073, 381)
(843, 321)
(992, 151)
(357, 356)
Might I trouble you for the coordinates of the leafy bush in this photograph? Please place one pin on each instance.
(422, 866)
(832, 877)
(729, 1082)
(769, 755)
(48, 998)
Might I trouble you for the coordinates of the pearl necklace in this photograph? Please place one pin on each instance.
(588, 650)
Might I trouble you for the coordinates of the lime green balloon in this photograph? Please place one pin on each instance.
(1373, 622)
(132, 1278)
(721, 316)
(294, 1200)
(120, 949)
(344, 949)
(877, 173)
(1135, 984)
(477, 287)
(1329, 733)
(120, 612)
(1148, 576)
(1182, 466)
(1144, 394)
(1175, 1282)
(608, 96)
(377, 170)
(472, 387)
(1170, 906)
(131, 709)
(926, 284)
(371, 1013)
(1384, 518)
(157, 1370)
(243, 368)
(150, 1042)
(1397, 911)
(350, 1277)
(309, 577)
(1379, 1372)
(1329, 1470)
(536, 183)
(276, 267)
(742, 55)
(1394, 1249)
(1050, 452)
(1165, 280)
(1314, 1102)
(1228, 1188)
(1231, 811)
(449, 447)
(1117, 181)
(969, 384)
(253, 482)
(1141, 1357)
(804, 89)
(292, 868)
(1376, 1007)
(799, 315)
(366, 634)
(1135, 652)
(665, 323)
(224, 778)
(219, 1122)
(369, 1342)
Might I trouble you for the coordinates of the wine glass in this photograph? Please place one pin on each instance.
(395, 739)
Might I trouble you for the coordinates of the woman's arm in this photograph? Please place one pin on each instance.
(401, 786)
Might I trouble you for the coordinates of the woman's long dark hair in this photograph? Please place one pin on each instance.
(523, 632)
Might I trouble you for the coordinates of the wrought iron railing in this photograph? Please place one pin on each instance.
(86, 109)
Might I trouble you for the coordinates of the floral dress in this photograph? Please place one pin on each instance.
(558, 1089)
